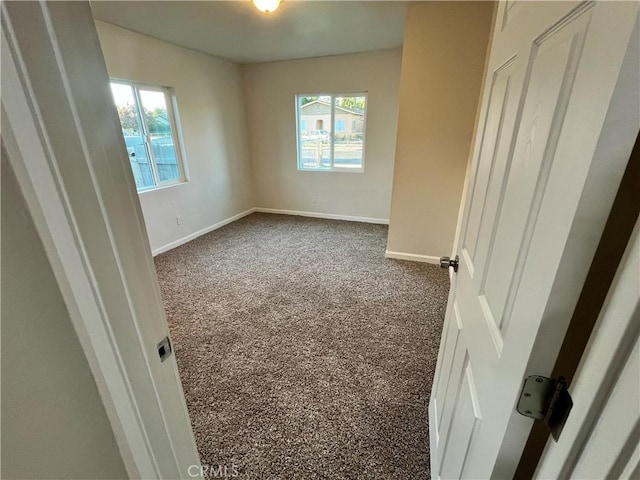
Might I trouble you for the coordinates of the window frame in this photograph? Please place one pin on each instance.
(176, 132)
(333, 96)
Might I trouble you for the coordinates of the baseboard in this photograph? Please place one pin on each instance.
(199, 233)
(329, 216)
(412, 257)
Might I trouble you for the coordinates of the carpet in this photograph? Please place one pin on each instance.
(303, 352)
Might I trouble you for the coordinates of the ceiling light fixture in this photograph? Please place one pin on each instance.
(266, 6)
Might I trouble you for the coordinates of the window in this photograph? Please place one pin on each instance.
(337, 142)
(150, 133)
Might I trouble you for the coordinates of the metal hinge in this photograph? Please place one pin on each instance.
(546, 399)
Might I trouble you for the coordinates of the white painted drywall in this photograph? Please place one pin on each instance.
(270, 90)
(54, 424)
(442, 68)
(210, 106)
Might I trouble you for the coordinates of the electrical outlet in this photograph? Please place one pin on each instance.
(179, 220)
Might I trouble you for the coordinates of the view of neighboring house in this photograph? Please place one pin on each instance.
(331, 132)
(316, 115)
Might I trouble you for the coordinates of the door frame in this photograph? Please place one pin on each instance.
(616, 236)
(153, 433)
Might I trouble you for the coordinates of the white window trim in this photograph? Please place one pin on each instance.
(332, 169)
(176, 132)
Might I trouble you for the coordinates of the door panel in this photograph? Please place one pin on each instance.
(511, 9)
(535, 169)
(452, 334)
(450, 392)
(554, 62)
(464, 425)
(491, 153)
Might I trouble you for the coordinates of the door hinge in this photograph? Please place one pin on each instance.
(546, 399)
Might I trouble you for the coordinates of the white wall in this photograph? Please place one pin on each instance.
(54, 424)
(210, 103)
(270, 89)
(443, 61)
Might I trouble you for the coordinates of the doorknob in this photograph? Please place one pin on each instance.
(446, 262)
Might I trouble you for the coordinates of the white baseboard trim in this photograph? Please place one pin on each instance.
(188, 238)
(412, 257)
(330, 216)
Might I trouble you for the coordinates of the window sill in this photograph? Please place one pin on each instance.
(162, 187)
(334, 170)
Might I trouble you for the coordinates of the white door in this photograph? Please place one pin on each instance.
(559, 117)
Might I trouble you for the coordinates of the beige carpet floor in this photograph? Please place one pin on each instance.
(304, 353)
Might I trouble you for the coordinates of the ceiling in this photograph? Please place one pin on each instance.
(237, 31)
